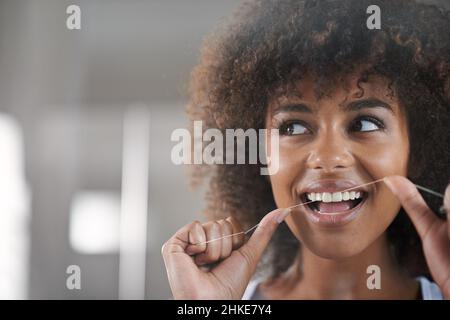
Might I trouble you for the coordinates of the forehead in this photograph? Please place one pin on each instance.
(339, 89)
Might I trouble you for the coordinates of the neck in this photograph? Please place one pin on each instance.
(314, 277)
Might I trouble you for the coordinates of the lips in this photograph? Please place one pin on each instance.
(330, 203)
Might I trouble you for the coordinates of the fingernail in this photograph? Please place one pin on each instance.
(282, 215)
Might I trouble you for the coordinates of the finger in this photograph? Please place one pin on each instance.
(178, 242)
(447, 199)
(411, 200)
(239, 267)
(447, 207)
(227, 245)
(197, 238)
(213, 248)
(179, 265)
(238, 239)
(257, 243)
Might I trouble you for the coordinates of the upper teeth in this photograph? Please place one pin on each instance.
(334, 197)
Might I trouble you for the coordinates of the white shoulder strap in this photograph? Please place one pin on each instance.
(430, 291)
(250, 290)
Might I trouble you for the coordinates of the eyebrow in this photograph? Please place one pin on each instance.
(367, 103)
(296, 107)
(352, 106)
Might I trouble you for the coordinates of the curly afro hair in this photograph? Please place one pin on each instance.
(271, 44)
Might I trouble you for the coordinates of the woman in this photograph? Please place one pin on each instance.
(352, 106)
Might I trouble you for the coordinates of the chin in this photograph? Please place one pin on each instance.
(336, 248)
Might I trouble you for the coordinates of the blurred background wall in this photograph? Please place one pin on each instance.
(64, 95)
(66, 99)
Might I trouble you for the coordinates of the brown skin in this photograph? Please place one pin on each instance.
(188, 276)
(333, 260)
(434, 233)
(331, 151)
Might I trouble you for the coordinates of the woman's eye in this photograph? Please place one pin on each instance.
(293, 128)
(366, 125)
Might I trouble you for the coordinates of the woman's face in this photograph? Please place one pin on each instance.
(334, 143)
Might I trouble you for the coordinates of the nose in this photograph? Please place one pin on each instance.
(330, 152)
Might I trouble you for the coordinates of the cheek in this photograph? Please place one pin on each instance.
(283, 182)
(389, 158)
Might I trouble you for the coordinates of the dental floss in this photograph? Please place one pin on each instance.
(441, 210)
(430, 191)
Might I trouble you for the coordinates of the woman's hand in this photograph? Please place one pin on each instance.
(234, 262)
(435, 233)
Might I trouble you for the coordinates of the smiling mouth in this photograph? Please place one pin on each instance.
(334, 203)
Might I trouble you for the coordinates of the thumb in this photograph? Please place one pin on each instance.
(239, 267)
(258, 242)
(447, 207)
(447, 199)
